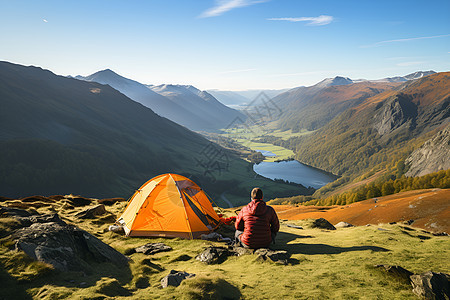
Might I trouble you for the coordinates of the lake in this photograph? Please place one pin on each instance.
(293, 171)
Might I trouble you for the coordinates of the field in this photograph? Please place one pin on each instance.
(247, 136)
(324, 264)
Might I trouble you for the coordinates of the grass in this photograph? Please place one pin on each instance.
(324, 264)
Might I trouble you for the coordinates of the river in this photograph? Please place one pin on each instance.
(294, 171)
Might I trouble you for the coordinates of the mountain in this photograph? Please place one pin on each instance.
(381, 131)
(240, 99)
(199, 105)
(432, 156)
(229, 98)
(313, 107)
(188, 106)
(412, 76)
(60, 135)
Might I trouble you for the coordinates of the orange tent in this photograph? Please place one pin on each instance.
(169, 205)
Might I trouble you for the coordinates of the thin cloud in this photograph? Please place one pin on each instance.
(222, 6)
(45, 20)
(312, 21)
(404, 40)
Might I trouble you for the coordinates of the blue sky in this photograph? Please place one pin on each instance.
(228, 44)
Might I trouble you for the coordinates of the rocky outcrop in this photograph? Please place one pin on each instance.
(322, 224)
(431, 285)
(428, 285)
(175, 278)
(92, 212)
(432, 156)
(343, 224)
(153, 248)
(214, 255)
(49, 239)
(217, 255)
(398, 111)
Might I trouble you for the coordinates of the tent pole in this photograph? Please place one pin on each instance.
(182, 201)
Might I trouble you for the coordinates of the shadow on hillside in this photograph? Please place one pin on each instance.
(283, 238)
(11, 288)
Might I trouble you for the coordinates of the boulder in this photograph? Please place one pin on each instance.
(294, 226)
(153, 248)
(343, 224)
(91, 212)
(431, 285)
(214, 255)
(279, 256)
(323, 224)
(65, 247)
(116, 228)
(175, 278)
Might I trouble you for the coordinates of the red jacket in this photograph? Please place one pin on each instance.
(258, 221)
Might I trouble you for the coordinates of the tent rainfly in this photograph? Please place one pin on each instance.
(169, 205)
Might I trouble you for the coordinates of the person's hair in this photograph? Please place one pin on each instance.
(257, 193)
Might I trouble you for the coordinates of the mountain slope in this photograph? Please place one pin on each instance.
(380, 131)
(199, 105)
(59, 134)
(187, 106)
(313, 107)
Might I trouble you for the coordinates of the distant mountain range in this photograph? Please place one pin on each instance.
(185, 105)
(240, 99)
(314, 106)
(60, 135)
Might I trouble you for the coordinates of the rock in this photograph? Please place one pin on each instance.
(343, 224)
(382, 229)
(396, 112)
(323, 224)
(440, 234)
(392, 223)
(214, 255)
(116, 228)
(92, 212)
(431, 285)
(65, 247)
(294, 226)
(175, 278)
(213, 236)
(242, 251)
(153, 248)
(432, 156)
(409, 222)
(279, 256)
(396, 271)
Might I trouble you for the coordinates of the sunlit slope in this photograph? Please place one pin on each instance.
(382, 130)
(430, 210)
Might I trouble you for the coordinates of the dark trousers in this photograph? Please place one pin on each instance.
(238, 242)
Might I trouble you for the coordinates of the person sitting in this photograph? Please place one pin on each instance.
(257, 223)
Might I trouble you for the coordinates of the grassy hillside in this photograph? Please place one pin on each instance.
(324, 264)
